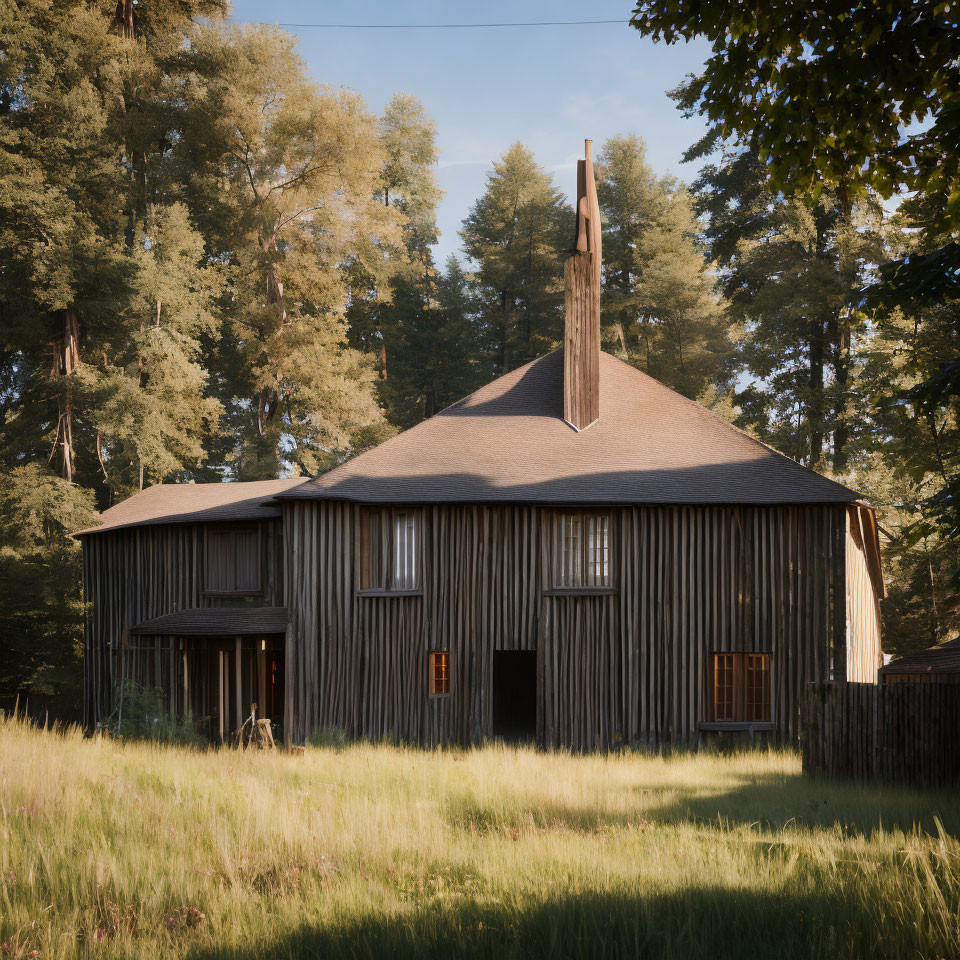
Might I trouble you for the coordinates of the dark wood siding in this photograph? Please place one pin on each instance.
(136, 573)
(631, 665)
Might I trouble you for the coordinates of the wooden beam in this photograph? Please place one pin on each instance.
(238, 684)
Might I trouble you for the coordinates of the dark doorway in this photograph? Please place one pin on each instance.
(515, 694)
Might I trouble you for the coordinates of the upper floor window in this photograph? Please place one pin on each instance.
(389, 549)
(582, 550)
(233, 563)
(741, 687)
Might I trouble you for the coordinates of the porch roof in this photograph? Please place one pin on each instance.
(216, 622)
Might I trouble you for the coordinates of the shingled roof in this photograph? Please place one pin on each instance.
(196, 503)
(216, 622)
(508, 442)
(943, 658)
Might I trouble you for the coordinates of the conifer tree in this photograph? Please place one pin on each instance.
(790, 267)
(659, 307)
(516, 234)
(435, 346)
(85, 107)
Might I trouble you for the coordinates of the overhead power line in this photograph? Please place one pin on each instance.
(435, 26)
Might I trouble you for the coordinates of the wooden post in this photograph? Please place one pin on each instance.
(187, 708)
(238, 685)
(262, 676)
(221, 687)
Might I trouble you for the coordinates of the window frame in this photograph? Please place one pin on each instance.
(566, 586)
(433, 657)
(386, 582)
(235, 530)
(743, 704)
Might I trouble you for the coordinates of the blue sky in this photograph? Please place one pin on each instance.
(549, 87)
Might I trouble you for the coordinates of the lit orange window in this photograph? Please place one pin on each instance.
(741, 687)
(723, 669)
(439, 673)
(757, 705)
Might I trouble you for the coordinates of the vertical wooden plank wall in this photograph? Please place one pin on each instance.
(631, 666)
(134, 574)
(863, 592)
(906, 733)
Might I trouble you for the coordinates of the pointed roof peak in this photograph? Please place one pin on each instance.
(508, 442)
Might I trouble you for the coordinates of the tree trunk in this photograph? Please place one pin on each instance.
(267, 400)
(66, 358)
(123, 19)
(815, 383)
(841, 374)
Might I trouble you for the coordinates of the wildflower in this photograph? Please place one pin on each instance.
(12, 876)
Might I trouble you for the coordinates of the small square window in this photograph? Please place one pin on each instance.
(439, 673)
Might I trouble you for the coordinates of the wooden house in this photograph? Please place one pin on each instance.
(574, 554)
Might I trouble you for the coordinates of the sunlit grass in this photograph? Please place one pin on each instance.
(144, 851)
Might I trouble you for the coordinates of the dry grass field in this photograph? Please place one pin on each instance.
(143, 851)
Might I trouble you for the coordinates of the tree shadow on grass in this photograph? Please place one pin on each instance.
(708, 922)
(769, 801)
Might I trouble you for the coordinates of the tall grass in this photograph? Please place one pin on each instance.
(140, 850)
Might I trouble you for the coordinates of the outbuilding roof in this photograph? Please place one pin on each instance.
(943, 658)
(508, 442)
(195, 503)
(216, 622)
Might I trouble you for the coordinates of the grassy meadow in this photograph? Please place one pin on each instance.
(143, 851)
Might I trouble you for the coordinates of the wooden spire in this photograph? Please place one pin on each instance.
(581, 280)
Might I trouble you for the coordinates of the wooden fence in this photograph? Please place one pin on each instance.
(905, 733)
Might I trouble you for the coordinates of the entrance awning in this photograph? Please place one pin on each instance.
(216, 622)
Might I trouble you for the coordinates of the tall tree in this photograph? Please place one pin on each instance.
(789, 269)
(660, 308)
(854, 99)
(515, 234)
(84, 105)
(436, 346)
(284, 190)
(408, 183)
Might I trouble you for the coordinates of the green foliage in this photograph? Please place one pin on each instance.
(788, 269)
(283, 180)
(515, 234)
(434, 337)
(142, 714)
(333, 738)
(660, 308)
(860, 97)
(41, 603)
